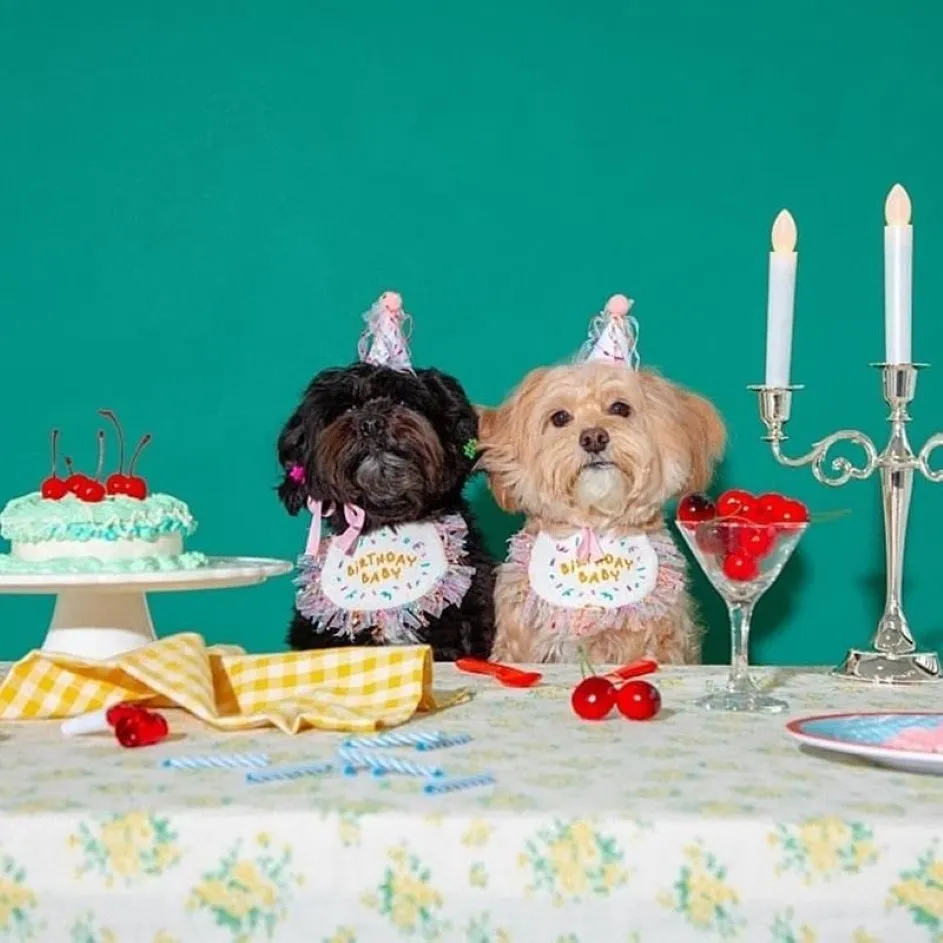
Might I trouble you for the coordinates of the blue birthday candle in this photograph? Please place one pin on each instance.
(381, 763)
(218, 761)
(454, 785)
(282, 773)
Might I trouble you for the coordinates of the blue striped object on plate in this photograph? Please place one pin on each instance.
(871, 729)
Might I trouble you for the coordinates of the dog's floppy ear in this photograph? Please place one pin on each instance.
(487, 417)
(497, 455)
(690, 431)
(461, 420)
(293, 490)
(501, 431)
(706, 437)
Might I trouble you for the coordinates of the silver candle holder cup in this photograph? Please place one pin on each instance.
(894, 657)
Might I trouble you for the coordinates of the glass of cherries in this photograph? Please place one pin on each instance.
(742, 543)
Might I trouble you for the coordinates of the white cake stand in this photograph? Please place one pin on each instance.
(101, 615)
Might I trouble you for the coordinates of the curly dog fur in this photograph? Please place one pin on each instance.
(393, 443)
(599, 446)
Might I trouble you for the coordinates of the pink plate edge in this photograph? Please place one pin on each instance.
(863, 749)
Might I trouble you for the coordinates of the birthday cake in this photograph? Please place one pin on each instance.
(80, 524)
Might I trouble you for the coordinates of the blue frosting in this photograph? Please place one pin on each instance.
(33, 518)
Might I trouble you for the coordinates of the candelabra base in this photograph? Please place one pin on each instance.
(876, 667)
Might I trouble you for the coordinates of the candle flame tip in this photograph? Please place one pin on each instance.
(897, 206)
(784, 234)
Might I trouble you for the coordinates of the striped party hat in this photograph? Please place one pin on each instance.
(613, 335)
(383, 342)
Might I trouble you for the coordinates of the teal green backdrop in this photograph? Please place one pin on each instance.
(199, 199)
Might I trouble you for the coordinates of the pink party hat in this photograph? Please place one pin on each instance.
(613, 335)
(383, 342)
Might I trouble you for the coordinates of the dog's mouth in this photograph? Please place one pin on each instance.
(388, 480)
(602, 486)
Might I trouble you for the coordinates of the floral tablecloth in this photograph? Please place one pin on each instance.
(692, 827)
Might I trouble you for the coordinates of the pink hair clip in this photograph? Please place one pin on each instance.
(296, 473)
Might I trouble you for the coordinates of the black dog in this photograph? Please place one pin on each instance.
(399, 445)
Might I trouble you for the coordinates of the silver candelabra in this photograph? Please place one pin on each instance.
(894, 657)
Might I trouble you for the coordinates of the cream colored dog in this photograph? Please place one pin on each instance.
(591, 453)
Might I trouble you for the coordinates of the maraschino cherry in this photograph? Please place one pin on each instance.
(740, 566)
(54, 488)
(735, 502)
(593, 698)
(638, 700)
(90, 490)
(596, 695)
(130, 485)
(76, 480)
(694, 508)
(141, 728)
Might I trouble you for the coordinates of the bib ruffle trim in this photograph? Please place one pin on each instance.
(398, 625)
(560, 625)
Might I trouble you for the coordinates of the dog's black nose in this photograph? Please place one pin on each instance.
(594, 440)
(369, 425)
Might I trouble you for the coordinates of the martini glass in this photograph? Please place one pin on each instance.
(742, 560)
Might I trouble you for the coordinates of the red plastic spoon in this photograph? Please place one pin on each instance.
(503, 674)
(634, 669)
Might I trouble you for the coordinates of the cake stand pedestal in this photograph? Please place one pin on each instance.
(102, 615)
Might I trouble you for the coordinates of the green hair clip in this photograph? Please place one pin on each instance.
(470, 448)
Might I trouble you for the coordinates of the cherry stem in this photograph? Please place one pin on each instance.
(68, 466)
(112, 417)
(101, 454)
(138, 449)
(55, 451)
(585, 665)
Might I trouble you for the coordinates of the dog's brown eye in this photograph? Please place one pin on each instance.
(560, 418)
(618, 408)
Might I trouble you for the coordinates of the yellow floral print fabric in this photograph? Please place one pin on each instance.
(349, 689)
(692, 827)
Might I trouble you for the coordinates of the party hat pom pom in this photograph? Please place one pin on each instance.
(392, 301)
(618, 306)
(613, 335)
(383, 343)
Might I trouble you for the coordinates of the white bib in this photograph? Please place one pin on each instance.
(388, 568)
(623, 574)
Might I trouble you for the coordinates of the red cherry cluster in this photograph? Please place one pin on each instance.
(91, 489)
(135, 726)
(595, 696)
(746, 530)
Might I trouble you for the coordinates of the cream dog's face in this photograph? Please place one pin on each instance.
(598, 443)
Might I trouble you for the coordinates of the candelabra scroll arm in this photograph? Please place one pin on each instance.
(839, 470)
(894, 657)
(923, 459)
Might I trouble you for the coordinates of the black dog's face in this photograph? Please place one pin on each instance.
(392, 443)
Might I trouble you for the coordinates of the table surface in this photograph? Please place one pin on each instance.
(694, 826)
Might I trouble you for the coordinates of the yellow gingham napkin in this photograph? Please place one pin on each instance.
(349, 689)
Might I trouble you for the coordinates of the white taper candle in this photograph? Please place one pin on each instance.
(781, 300)
(898, 276)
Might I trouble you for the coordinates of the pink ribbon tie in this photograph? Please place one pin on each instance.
(355, 518)
(346, 541)
(589, 547)
(314, 531)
